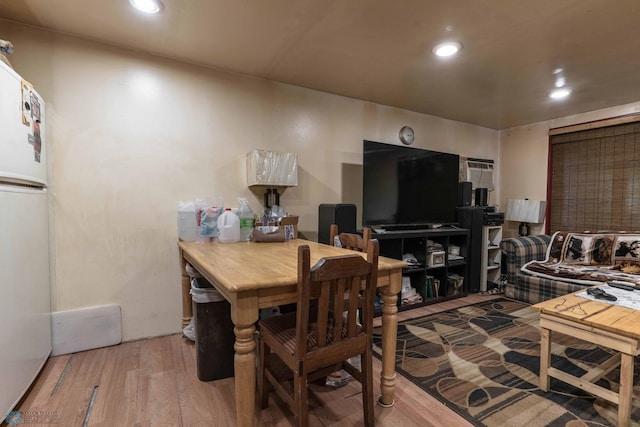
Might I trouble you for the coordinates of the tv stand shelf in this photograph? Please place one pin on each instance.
(436, 277)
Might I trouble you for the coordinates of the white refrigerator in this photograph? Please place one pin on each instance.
(25, 292)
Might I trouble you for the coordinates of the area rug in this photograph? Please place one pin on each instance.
(483, 361)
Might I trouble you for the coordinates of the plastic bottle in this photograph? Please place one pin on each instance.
(246, 220)
(187, 222)
(228, 227)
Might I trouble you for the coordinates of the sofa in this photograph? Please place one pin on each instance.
(543, 267)
(518, 251)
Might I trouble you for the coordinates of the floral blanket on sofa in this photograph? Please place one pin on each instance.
(590, 258)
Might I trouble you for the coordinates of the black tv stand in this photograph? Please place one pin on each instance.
(436, 274)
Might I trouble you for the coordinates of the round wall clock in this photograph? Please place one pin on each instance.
(406, 135)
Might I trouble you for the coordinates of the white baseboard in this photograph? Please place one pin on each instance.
(85, 329)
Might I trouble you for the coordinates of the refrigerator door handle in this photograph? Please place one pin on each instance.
(17, 179)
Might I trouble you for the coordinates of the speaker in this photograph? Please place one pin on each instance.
(464, 193)
(341, 214)
(472, 218)
(482, 196)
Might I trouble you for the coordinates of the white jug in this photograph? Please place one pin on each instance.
(228, 227)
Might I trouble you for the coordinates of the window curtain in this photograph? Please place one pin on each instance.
(595, 176)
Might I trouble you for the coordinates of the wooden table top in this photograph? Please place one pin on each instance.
(246, 266)
(598, 314)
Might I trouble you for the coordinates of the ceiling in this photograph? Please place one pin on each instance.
(380, 50)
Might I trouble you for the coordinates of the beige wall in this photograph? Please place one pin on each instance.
(524, 154)
(130, 135)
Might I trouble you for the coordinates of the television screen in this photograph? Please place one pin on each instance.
(407, 186)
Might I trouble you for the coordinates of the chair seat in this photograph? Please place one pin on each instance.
(283, 329)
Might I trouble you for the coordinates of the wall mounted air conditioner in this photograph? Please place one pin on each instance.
(480, 173)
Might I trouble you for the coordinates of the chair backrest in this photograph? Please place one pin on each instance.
(350, 240)
(350, 276)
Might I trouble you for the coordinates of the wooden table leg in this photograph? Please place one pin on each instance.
(187, 306)
(545, 358)
(626, 390)
(389, 338)
(244, 313)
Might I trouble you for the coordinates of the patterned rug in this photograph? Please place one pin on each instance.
(483, 361)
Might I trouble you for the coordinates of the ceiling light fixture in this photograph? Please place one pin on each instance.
(147, 6)
(560, 93)
(447, 49)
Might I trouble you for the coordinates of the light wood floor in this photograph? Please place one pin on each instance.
(153, 382)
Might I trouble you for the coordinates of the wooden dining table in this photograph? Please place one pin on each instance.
(252, 276)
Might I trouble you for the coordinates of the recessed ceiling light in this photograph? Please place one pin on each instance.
(560, 93)
(447, 49)
(147, 6)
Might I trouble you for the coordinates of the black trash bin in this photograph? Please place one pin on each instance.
(214, 332)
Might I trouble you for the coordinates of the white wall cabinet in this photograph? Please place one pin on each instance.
(491, 256)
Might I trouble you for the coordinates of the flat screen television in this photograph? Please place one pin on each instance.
(408, 187)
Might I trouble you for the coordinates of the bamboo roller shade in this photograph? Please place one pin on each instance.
(595, 179)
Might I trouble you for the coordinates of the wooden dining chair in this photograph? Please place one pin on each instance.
(350, 240)
(313, 342)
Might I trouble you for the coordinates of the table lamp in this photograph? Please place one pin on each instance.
(269, 169)
(525, 211)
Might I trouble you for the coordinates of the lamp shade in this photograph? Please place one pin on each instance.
(272, 168)
(525, 210)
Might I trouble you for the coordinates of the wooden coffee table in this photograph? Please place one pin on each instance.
(600, 323)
